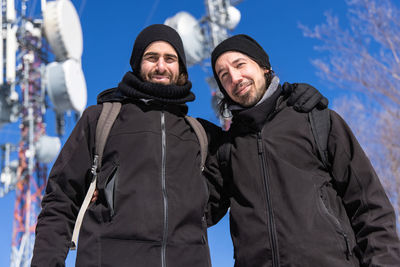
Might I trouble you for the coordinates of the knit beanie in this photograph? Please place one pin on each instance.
(240, 43)
(156, 32)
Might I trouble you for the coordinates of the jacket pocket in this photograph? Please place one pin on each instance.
(334, 221)
(109, 189)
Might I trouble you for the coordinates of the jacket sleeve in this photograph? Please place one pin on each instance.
(68, 182)
(217, 180)
(369, 210)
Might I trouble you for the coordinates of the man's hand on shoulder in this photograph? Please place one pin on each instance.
(304, 97)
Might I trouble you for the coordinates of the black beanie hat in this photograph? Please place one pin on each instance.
(244, 44)
(156, 32)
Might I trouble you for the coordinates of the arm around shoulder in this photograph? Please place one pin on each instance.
(216, 175)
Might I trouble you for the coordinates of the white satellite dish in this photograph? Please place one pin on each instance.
(63, 29)
(192, 37)
(66, 85)
(47, 148)
(233, 17)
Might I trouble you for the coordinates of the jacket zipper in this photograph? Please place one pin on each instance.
(339, 229)
(272, 228)
(205, 240)
(164, 190)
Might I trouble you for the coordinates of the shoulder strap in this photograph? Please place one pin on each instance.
(321, 125)
(201, 136)
(106, 120)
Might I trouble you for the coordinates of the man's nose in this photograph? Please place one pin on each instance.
(236, 76)
(161, 65)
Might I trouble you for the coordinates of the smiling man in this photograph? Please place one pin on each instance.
(243, 78)
(287, 206)
(160, 64)
(151, 193)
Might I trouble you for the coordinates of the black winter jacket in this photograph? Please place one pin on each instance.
(153, 215)
(286, 209)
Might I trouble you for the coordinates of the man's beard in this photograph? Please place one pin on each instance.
(149, 77)
(249, 100)
(252, 96)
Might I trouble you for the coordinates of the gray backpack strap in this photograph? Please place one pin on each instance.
(321, 125)
(111, 111)
(106, 120)
(201, 136)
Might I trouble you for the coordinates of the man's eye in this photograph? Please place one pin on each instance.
(170, 60)
(152, 58)
(241, 64)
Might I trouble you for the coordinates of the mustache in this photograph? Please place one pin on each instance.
(165, 73)
(242, 85)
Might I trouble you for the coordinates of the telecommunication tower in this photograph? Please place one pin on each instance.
(29, 86)
(200, 37)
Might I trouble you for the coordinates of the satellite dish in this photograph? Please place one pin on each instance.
(63, 29)
(66, 85)
(47, 148)
(192, 36)
(233, 17)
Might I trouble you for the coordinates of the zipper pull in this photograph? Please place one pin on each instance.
(259, 144)
(348, 249)
(95, 165)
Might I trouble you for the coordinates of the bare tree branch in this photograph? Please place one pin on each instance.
(364, 59)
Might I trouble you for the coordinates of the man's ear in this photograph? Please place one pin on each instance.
(266, 70)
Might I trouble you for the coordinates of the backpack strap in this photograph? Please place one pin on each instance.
(201, 136)
(106, 120)
(320, 126)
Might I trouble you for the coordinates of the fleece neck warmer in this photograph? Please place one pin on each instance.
(134, 87)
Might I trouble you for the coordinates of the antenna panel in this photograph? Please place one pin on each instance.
(66, 85)
(192, 36)
(63, 29)
(11, 53)
(47, 148)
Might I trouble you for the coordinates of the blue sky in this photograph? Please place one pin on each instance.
(109, 31)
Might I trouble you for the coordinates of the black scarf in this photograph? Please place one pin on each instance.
(255, 117)
(132, 86)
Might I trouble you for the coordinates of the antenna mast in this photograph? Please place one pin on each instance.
(27, 83)
(201, 37)
(30, 175)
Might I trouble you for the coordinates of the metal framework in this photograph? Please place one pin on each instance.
(216, 32)
(216, 13)
(23, 64)
(30, 174)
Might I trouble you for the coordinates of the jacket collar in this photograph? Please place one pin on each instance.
(255, 117)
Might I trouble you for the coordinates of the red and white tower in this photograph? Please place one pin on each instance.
(29, 86)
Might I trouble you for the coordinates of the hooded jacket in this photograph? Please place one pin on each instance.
(286, 209)
(152, 195)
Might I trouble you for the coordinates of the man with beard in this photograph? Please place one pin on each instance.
(155, 213)
(152, 156)
(286, 207)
